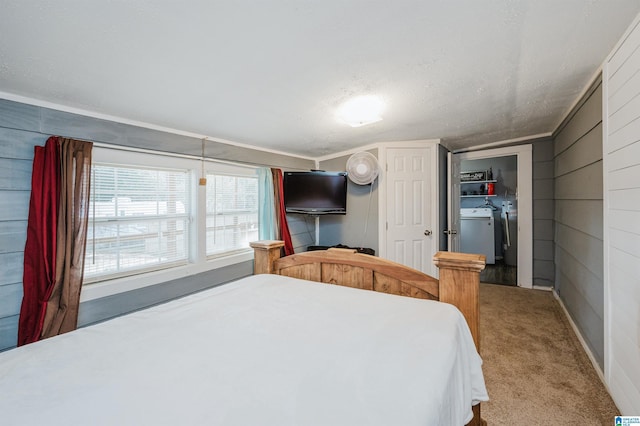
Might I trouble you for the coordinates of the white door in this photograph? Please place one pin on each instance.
(453, 202)
(411, 202)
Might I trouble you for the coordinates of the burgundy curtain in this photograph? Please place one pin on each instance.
(40, 248)
(276, 204)
(281, 215)
(56, 239)
(61, 313)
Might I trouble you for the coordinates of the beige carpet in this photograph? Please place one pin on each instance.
(535, 368)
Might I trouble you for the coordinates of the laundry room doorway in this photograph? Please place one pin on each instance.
(494, 190)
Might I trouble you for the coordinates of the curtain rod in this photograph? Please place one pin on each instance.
(188, 156)
(176, 155)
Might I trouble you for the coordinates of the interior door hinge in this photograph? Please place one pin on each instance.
(386, 226)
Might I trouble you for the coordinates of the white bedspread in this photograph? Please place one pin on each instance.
(265, 350)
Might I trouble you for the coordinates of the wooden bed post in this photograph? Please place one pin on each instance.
(265, 254)
(460, 285)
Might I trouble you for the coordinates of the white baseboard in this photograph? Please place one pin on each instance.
(542, 287)
(595, 364)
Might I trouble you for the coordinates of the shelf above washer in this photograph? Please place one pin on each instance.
(477, 181)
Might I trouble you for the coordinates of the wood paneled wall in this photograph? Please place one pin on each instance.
(621, 171)
(543, 208)
(23, 126)
(16, 158)
(303, 231)
(349, 229)
(578, 235)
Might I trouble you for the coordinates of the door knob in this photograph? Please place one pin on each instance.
(427, 232)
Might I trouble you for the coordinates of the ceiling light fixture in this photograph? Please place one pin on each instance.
(361, 110)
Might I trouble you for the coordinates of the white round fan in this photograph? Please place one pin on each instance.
(363, 168)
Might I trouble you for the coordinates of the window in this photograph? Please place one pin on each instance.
(148, 214)
(232, 213)
(138, 220)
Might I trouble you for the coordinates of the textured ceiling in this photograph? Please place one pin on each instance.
(272, 73)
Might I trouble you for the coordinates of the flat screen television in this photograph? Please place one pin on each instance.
(315, 192)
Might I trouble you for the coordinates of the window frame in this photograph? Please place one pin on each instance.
(186, 216)
(198, 261)
(231, 171)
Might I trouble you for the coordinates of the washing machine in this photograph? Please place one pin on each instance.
(477, 232)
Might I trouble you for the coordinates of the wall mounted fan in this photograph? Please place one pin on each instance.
(363, 168)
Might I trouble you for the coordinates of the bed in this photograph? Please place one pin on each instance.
(276, 348)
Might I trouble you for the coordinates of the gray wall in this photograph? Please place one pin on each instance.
(16, 156)
(303, 231)
(22, 127)
(579, 219)
(97, 310)
(543, 208)
(349, 229)
(621, 173)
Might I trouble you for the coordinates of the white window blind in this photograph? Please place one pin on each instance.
(138, 220)
(232, 213)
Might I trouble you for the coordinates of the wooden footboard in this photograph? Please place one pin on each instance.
(458, 284)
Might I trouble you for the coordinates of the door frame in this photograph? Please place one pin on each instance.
(524, 155)
(453, 202)
(383, 196)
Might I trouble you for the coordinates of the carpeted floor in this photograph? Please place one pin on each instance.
(535, 368)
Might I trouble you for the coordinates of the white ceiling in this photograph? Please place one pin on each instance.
(272, 73)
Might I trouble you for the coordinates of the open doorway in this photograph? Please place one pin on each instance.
(495, 215)
(489, 215)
